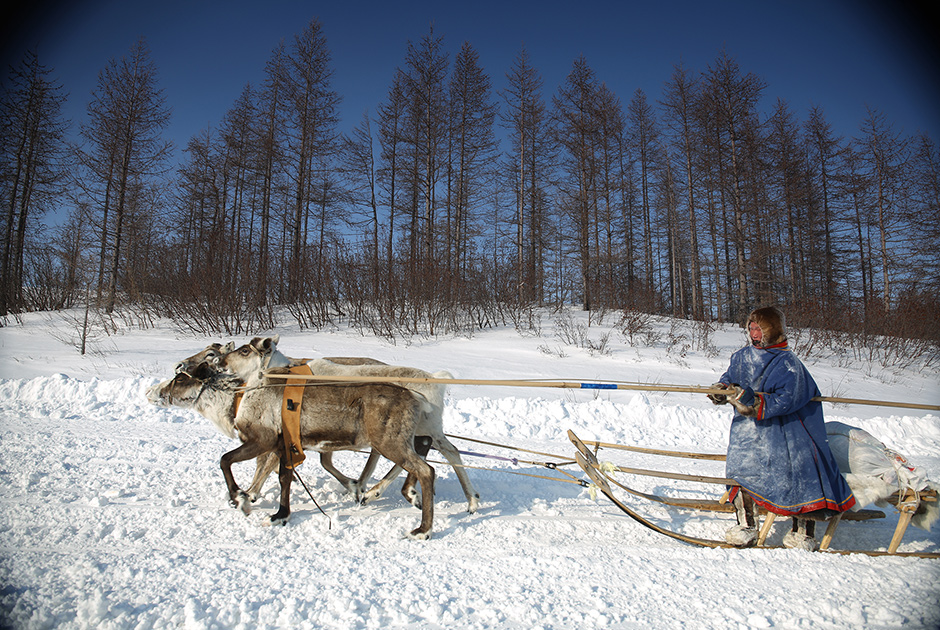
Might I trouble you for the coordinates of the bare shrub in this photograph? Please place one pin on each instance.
(576, 334)
(701, 336)
(557, 351)
(85, 329)
(636, 325)
(678, 342)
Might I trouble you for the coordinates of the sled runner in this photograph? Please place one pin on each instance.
(599, 474)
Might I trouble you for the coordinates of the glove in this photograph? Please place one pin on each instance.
(718, 399)
(743, 400)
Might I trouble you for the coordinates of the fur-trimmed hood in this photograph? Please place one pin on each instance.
(772, 323)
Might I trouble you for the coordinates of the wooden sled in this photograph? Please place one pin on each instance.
(907, 506)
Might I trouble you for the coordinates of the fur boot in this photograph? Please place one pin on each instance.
(802, 535)
(744, 534)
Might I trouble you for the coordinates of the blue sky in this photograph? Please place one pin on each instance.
(841, 55)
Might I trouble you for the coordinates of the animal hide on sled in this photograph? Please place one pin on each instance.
(875, 472)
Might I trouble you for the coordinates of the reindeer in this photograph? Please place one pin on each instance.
(266, 464)
(333, 417)
(250, 360)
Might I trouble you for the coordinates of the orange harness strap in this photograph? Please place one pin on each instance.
(290, 416)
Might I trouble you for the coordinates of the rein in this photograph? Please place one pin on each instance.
(515, 461)
(329, 520)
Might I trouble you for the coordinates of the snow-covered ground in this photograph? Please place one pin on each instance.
(113, 511)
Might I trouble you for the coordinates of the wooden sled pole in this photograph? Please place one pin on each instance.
(636, 387)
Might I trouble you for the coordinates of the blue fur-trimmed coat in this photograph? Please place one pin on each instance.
(782, 457)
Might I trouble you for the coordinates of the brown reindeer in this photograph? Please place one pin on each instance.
(251, 359)
(266, 464)
(333, 417)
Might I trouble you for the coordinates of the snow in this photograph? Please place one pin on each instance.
(114, 512)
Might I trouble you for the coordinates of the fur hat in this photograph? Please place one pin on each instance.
(772, 323)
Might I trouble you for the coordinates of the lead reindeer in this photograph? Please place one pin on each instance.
(250, 360)
(333, 417)
(266, 464)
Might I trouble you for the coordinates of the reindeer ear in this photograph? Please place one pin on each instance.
(275, 339)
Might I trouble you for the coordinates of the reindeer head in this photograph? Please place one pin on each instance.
(210, 353)
(250, 360)
(184, 389)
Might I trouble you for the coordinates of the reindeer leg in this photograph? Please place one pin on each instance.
(264, 466)
(422, 446)
(367, 471)
(285, 475)
(378, 489)
(425, 474)
(351, 485)
(450, 452)
(246, 451)
(408, 459)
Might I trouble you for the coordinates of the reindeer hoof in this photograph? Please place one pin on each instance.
(419, 534)
(474, 504)
(358, 493)
(278, 519)
(242, 502)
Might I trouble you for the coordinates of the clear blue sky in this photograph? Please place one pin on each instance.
(842, 55)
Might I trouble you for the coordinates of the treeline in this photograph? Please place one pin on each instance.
(454, 206)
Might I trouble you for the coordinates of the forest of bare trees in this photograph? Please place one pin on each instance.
(454, 206)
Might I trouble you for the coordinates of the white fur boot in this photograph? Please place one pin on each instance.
(741, 536)
(744, 534)
(802, 536)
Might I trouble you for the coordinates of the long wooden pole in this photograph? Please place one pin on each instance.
(687, 389)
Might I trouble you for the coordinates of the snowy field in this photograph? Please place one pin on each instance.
(113, 512)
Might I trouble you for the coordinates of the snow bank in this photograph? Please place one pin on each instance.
(114, 512)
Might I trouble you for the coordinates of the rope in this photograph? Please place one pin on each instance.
(572, 478)
(565, 460)
(329, 520)
(515, 461)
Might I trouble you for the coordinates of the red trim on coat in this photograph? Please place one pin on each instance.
(796, 510)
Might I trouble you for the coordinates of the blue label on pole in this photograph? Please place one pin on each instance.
(598, 386)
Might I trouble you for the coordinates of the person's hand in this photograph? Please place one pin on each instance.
(743, 399)
(718, 399)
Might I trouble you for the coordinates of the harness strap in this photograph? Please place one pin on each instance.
(238, 399)
(290, 416)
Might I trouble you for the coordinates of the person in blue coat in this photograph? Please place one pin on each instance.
(777, 449)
